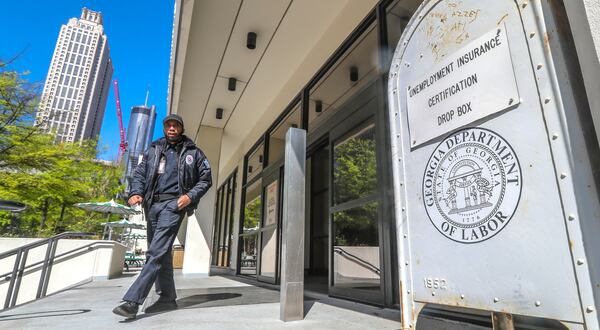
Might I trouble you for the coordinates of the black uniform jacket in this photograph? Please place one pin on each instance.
(194, 173)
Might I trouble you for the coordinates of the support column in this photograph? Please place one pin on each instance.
(198, 230)
(292, 235)
(584, 19)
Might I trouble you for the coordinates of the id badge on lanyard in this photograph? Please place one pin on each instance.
(161, 165)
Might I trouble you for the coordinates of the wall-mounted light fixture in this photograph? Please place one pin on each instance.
(318, 106)
(260, 158)
(219, 113)
(251, 40)
(353, 73)
(231, 84)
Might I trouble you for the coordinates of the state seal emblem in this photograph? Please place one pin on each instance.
(472, 185)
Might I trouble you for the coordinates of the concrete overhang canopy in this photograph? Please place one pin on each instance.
(294, 40)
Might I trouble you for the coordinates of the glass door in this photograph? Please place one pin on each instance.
(268, 232)
(250, 229)
(222, 235)
(355, 253)
(317, 180)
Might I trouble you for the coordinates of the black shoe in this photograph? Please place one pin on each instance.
(161, 306)
(127, 310)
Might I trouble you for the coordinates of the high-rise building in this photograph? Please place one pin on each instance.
(78, 81)
(139, 136)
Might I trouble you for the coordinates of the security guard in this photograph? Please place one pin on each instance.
(169, 181)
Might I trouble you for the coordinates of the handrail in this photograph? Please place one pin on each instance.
(44, 241)
(358, 260)
(20, 264)
(57, 257)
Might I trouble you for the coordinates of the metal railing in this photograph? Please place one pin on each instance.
(20, 265)
(357, 260)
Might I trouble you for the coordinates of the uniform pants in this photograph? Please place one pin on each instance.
(163, 221)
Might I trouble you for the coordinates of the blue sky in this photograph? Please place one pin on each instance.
(139, 37)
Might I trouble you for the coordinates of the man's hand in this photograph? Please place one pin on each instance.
(135, 199)
(183, 201)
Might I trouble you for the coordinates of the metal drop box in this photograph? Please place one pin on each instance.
(496, 163)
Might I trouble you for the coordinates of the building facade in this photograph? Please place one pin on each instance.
(323, 67)
(139, 137)
(77, 86)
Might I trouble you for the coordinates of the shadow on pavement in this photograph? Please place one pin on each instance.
(197, 299)
(308, 304)
(193, 301)
(34, 315)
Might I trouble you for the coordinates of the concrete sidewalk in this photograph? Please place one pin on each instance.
(204, 302)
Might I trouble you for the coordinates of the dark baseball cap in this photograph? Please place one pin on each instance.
(174, 117)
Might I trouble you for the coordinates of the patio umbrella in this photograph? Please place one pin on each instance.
(6, 205)
(110, 207)
(124, 223)
(135, 237)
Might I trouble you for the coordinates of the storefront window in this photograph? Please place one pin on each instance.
(248, 257)
(223, 223)
(277, 137)
(397, 17)
(268, 256)
(252, 209)
(355, 168)
(268, 253)
(353, 71)
(354, 212)
(356, 248)
(255, 163)
(249, 240)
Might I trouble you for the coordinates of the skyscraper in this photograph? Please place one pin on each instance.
(78, 81)
(139, 137)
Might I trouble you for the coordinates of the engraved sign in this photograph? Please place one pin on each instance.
(472, 83)
(472, 185)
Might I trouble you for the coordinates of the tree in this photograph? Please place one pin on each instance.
(71, 175)
(18, 100)
(355, 177)
(48, 177)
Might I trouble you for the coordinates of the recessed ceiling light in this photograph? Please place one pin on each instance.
(353, 73)
(231, 84)
(251, 40)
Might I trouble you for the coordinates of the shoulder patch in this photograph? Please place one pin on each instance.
(189, 159)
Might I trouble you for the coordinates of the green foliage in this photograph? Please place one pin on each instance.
(252, 214)
(355, 177)
(18, 100)
(49, 178)
(355, 173)
(356, 226)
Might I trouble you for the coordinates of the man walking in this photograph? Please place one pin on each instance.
(169, 181)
